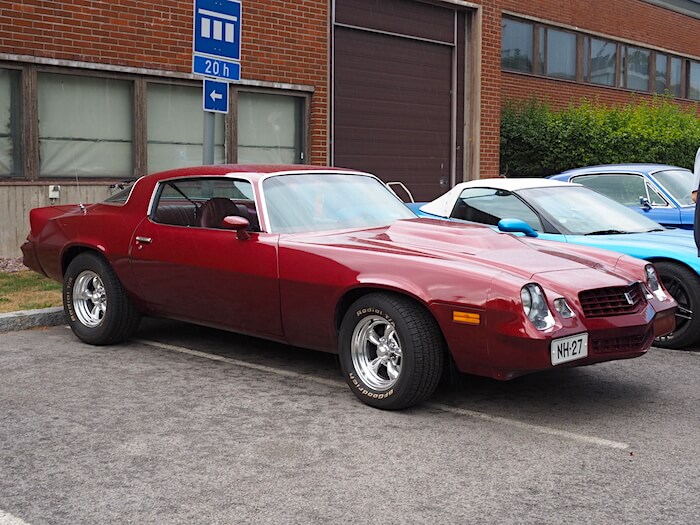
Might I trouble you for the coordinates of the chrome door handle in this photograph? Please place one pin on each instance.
(144, 240)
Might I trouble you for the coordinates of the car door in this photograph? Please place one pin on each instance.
(687, 218)
(665, 216)
(204, 274)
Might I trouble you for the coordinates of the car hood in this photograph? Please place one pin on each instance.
(668, 244)
(478, 245)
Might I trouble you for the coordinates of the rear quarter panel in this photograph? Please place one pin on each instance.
(103, 228)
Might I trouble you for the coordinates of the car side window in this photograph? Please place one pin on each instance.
(655, 198)
(625, 188)
(204, 202)
(488, 206)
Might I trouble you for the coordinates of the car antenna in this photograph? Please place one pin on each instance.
(80, 200)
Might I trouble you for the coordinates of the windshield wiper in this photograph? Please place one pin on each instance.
(656, 230)
(605, 232)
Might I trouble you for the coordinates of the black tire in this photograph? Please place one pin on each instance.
(409, 347)
(684, 285)
(98, 310)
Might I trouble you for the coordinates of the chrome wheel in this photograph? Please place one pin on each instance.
(89, 298)
(376, 354)
(390, 350)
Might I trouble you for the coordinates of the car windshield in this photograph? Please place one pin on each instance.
(577, 210)
(678, 183)
(321, 201)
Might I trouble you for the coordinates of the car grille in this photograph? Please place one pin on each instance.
(616, 300)
(622, 344)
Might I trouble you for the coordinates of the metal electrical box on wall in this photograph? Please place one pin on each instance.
(54, 191)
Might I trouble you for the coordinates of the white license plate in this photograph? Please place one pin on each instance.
(569, 348)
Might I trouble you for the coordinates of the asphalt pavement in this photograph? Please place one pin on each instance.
(190, 425)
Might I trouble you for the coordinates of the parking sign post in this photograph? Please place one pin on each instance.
(216, 55)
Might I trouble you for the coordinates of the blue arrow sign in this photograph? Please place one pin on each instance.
(215, 96)
(217, 29)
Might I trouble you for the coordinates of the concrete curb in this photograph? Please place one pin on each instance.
(24, 319)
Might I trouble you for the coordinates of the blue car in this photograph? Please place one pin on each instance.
(566, 212)
(658, 191)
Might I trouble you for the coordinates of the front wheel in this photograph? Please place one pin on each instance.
(99, 311)
(391, 351)
(684, 286)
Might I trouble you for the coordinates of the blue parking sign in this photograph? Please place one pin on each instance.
(215, 96)
(216, 68)
(217, 28)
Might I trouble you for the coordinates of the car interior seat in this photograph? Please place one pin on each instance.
(213, 211)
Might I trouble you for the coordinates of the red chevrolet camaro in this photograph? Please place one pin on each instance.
(332, 260)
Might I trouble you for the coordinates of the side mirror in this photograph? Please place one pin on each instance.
(516, 226)
(240, 224)
(644, 203)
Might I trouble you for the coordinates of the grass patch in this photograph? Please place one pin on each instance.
(27, 290)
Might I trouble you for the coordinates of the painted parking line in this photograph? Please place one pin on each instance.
(529, 426)
(242, 364)
(575, 436)
(8, 519)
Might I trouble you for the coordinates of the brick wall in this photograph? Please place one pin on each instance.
(490, 89)
(625, 19)
(287, 42)
(629, 20)
(560, 93)
(282, 41)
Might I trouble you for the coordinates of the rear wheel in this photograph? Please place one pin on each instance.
(391, 351)
(99, 311)
(684, 285)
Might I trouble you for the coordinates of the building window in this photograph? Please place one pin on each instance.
(175, 127)
(661, 73)
(516, 45)
(674, 87)
(635, 68)
(561, 54)
(603, 59)
(694, 80)
(122, 126)
(85, 126)
(537, 48)
(10, 124)
(270, 128)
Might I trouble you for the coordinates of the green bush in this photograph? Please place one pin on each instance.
(537, 141)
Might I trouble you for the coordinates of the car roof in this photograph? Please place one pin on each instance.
(630, 168)
(513, 184)
(252, 171)
(443, 205)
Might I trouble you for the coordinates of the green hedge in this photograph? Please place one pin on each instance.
(537, 141)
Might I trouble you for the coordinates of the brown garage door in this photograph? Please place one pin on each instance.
(392, 94)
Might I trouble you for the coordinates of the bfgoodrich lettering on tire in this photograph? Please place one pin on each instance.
(391, 351)
(98, 310)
